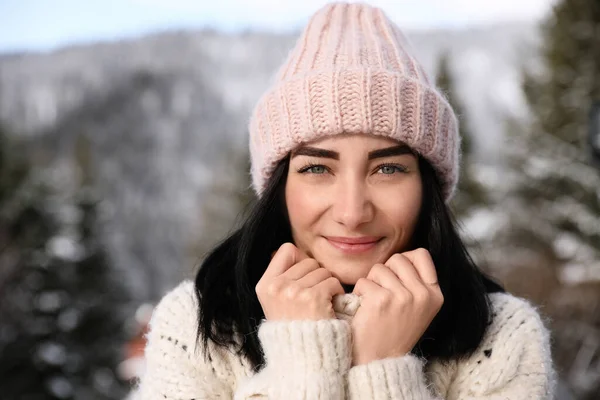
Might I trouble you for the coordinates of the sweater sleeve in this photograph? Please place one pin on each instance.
(304, 359)
(512, 362)
(175, 367)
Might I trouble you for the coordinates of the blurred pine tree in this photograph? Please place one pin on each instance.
(558, 182)
(62, 309)
(554, 201)
(470, 192)
(226, 198)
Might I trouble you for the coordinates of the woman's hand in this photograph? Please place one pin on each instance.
(399, 301)
(295, 287)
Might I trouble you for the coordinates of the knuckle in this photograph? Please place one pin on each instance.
(421, 251)
(273, 288)
(309, 264)
(360, 283)
(291, 292)
(325, 285)
(333, 281)
(439, 297)
(326, 273)
(385, 300)
(287, 246)
(401, 299)
(421, 295)
(395, 258)
(305, 296)
(376, 270)
(408, 298)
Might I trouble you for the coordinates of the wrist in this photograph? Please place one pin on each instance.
(396, 378)
(307, 345)
(363, 359)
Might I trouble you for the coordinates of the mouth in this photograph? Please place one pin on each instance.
(354, 245)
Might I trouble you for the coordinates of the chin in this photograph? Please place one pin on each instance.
(348, 273)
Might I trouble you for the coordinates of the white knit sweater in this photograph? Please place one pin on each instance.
(312, 360)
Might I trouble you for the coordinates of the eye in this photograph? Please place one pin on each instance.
(390, 169)
(317, 169)
(313, 169)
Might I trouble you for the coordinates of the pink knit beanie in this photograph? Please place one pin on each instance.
(351, 71)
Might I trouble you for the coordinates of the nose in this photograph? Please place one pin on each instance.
(352, 205)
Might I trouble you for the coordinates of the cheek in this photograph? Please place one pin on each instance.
(402, 207)
(301, 205)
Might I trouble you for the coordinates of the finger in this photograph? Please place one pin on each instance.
(287, 255)
(301, 269)
(423, 263)
(314, 277)
(331, 286)
(386, 278)
(365, 287)
(404, 269)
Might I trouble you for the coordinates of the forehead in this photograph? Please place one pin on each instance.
(359, 141)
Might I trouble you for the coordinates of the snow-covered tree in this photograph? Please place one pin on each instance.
(225, 199)
(62, 309)
(554, 198)
(470, 192)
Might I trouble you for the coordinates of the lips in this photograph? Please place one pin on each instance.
(354, 240)
(353, 244)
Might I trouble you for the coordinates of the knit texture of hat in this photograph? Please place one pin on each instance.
(351, 72)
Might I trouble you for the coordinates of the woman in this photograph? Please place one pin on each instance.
(348, 279)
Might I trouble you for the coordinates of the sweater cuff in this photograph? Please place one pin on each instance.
(395, 378)
(307, 345)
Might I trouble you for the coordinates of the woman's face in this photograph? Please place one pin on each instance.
(353, 201)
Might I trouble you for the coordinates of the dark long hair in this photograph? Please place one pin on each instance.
(225, 283)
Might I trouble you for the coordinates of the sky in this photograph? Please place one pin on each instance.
(43, 25)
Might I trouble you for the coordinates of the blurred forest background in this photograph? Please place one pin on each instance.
(122, 163)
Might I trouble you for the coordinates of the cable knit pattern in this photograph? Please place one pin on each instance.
(311, 360)
(352, 71)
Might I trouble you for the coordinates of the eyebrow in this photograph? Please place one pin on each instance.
(381, 153)
(314, 152)
(390, 151)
